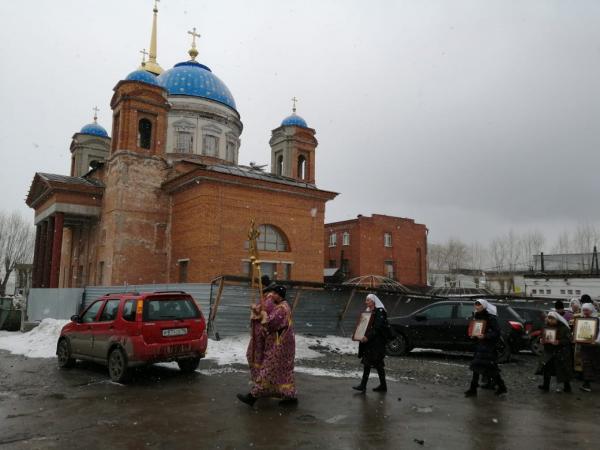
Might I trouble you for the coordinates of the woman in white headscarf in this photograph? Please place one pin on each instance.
(371, 349)
(485, 359)
(557, 357)
(590, 353)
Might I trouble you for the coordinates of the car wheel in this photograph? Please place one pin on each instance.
(63, 354)
(536, 346)
(503, 352)
(188, 365)
(398, 346)
(117, 366)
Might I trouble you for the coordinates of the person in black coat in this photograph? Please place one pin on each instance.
(557, 359)
(485, 359)
(371, 349)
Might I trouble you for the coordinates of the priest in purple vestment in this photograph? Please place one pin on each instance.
(272, 369)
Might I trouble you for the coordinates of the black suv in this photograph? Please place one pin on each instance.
(443, 325)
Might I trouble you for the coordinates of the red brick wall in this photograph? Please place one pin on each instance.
(210, 224)
(367, 253)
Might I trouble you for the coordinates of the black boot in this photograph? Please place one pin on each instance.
(546, 385)
(288, 401)
(472, 391)
(362, 387)
(382, 383)
(501, 389)
(248, 399)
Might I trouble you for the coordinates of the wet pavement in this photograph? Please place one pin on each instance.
(42, 407)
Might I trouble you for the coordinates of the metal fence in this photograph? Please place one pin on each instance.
(53, 303)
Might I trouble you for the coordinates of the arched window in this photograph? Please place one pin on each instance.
(279, 165)
(144, 133)
(271, 239)
(302, 172)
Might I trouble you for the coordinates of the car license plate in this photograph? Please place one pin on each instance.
(174, 332)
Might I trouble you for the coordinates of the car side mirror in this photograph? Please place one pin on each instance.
(420, 317)
(75, 318)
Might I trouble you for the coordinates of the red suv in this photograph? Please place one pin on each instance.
(133, 329)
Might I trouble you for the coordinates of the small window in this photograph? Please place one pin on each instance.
(109, 313)
(287, 271)
(183, 271)
(345, 266)
(346, 238)
(389, 269)
(387, 240)
(270, 239)
(548, 291)
(534, 291)
(185, 142)
(332, 240)
(129, 310)
(562, 291)
(230, 151)
(302, 168)
(144, 133)
(332, 263)
(570, 291)
(279, 165)
(210, 145)
(577, 292)
(92, 312)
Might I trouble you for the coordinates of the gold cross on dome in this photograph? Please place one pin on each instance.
(294, 100)
(95, 108)
(194, 36)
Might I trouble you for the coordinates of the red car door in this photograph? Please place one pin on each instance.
(104, 328)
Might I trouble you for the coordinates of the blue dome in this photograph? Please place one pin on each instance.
(143, 76)
(94, 129)
(294, 120)
(197, 80)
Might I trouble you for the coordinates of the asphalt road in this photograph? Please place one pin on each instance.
(42, 407)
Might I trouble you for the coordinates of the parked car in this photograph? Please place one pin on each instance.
(443, 325)
(132, 329)
(535, 320)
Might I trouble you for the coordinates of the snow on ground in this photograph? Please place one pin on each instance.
(37, 343)
(41, 343)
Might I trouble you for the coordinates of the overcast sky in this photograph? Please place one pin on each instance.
(472, 117)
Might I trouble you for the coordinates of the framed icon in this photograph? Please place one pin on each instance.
(585, 330)
(476, 328)
(550, 335)
(362, 326)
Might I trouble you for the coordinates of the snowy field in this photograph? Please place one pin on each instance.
(40, 342)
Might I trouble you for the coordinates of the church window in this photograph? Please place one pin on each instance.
(144, 133)
(185, 142)
(332, 240)
(210, 145)
(287, 272)
(271, 239)
(279, 165)
(230, 151)
(302, 169)
(346, 238)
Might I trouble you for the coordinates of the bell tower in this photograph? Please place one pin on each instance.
(293, 147)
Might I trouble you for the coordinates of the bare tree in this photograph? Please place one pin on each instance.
(456, 254)
(563, 244)
(498, 253)
(513, 250)
(436, 253)
(533, 244)
(16, 245)
(478, 256)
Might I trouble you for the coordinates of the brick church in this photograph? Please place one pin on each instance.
(163, 198)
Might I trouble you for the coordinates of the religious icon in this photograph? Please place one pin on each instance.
(549, 335)
(476, 328)
(585, 330)
(362, 326)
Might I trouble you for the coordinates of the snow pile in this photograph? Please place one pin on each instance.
(37, 343)
(41, 343)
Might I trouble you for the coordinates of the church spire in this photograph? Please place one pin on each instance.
(151, 65)
(95, 108)
(294, 100)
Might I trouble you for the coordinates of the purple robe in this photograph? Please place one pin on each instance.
(256, 346)
(275, 377)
